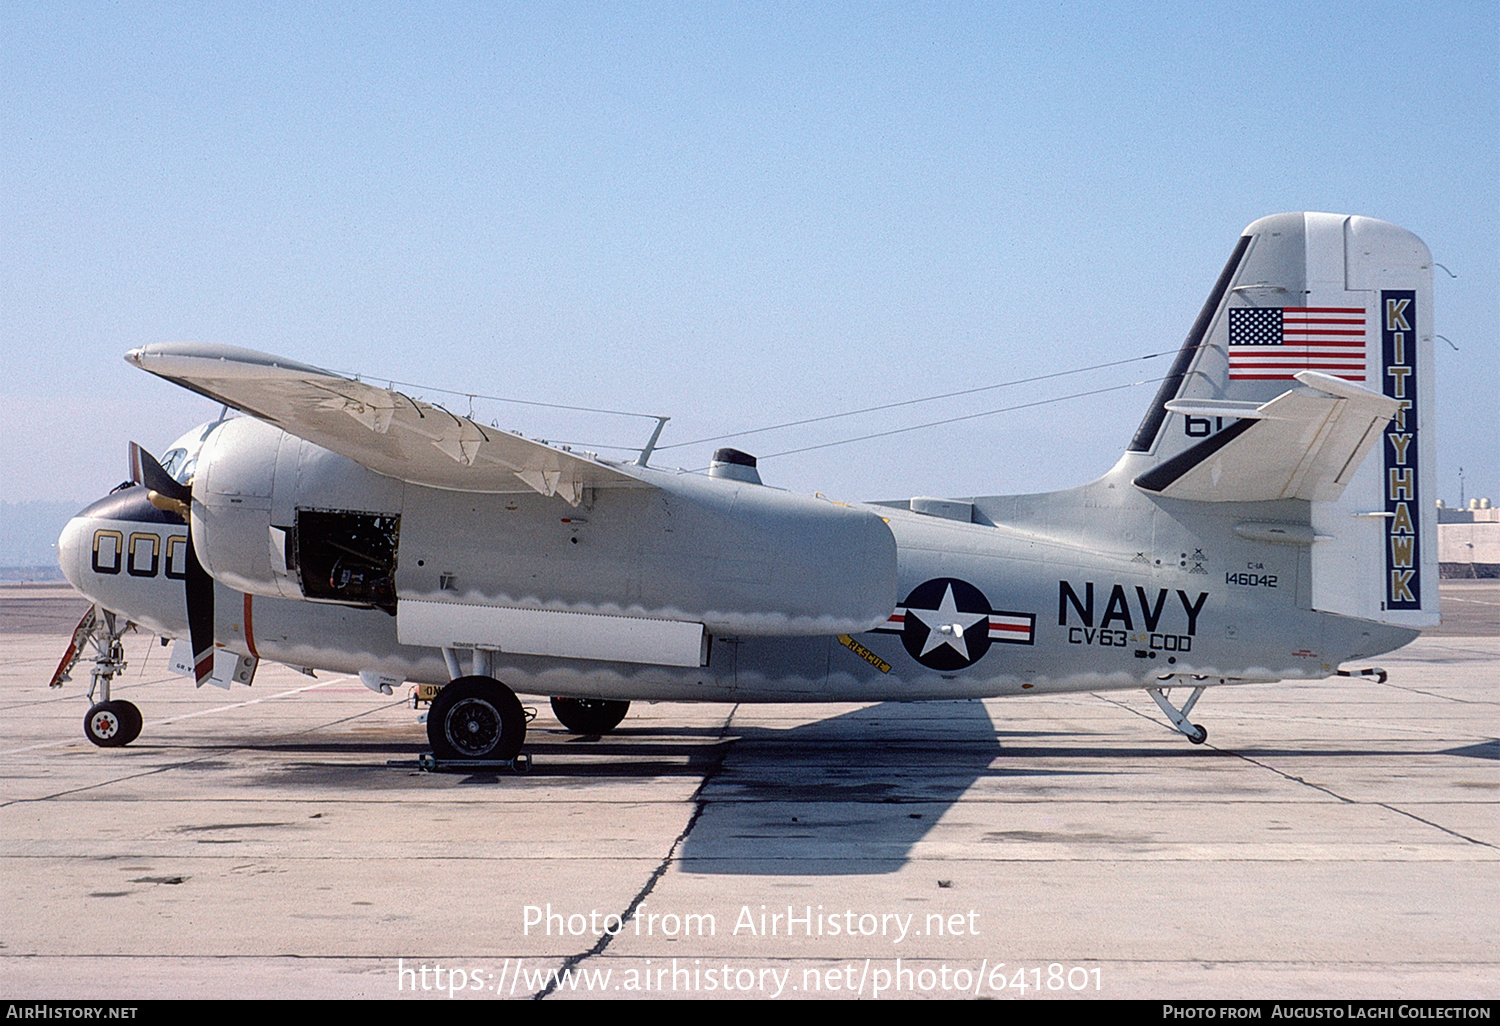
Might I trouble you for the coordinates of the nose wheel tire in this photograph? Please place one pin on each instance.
(112, 724)
(589, 715)
(476, 718)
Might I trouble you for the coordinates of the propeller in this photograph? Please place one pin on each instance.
(168, 494)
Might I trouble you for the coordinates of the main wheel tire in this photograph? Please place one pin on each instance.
(112, 724)
(1201, 735)
(476, 718)
(589, 715)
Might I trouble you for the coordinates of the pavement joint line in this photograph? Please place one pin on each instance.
(1298, 780)
(1431, 694)
(1319, 787)
(1437, 826)
(188, 762)
(102, 783)
(1355, 801)
(699, 804)
(70, 742)
(1448, 643)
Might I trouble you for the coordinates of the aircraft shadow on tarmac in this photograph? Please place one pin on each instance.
(851, 794)
(1482, 750)
(846, 795)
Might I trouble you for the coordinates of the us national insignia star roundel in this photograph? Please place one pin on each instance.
(947, 624)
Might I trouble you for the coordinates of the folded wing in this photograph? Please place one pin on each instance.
(382, 429)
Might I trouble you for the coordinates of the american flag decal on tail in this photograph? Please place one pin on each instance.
(1274, 343)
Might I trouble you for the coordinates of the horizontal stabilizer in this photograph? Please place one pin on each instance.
(381, 429)
(1304, 444)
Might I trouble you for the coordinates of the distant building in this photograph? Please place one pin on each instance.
(1469, 540)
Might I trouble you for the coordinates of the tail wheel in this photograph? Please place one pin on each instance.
(112, 724)
(476, 718)
(589, 715)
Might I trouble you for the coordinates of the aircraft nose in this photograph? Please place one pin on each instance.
(72, 549)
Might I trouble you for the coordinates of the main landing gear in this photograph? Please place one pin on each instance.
(109, 724)
(476, 718)
(1193, 732)
(589, 715)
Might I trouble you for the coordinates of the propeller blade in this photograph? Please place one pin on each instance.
(146, 470)
(167, 493)
(200, 612)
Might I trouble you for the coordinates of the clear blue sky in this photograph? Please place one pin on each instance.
(735, 214)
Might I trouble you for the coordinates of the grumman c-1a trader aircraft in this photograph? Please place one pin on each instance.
(1271, 519)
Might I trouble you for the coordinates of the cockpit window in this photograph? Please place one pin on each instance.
(177, 465)
(181, 460)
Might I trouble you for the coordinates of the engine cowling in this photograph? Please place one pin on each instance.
(275, 515)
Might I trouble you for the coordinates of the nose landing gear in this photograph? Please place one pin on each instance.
(112, 724)
(109, 724)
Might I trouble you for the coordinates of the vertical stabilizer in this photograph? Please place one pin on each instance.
(1318, 295)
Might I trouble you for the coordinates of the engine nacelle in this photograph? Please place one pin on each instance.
(278, 516)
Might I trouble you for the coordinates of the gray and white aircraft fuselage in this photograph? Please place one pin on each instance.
(1016, 602)
(1269, 521)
